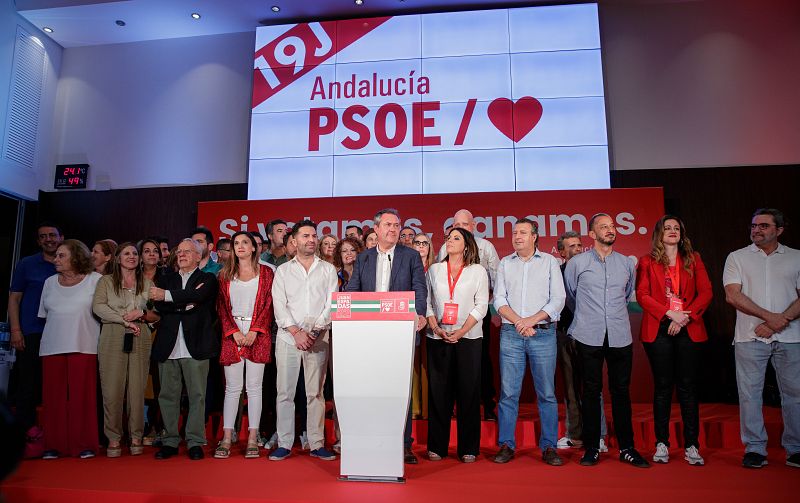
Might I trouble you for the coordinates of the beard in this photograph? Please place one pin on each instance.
(608, 241)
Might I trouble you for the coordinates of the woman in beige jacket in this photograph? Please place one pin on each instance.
(123, 351)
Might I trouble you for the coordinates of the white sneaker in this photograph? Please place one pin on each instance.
(693, 456)
(337, 447)
(304, 441)
(272, 443)
(567, 443)
(662, 453)
(603, 446)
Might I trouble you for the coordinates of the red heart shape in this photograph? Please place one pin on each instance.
(515, 120)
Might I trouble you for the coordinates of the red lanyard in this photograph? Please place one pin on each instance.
(676, 278)
(451, 281)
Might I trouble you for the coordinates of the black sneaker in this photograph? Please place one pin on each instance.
(505, 454)
(632, 457)
(754, 460)
(794, 460)
(590, 457)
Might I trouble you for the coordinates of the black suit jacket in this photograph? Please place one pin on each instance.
(199, 328)
(407, 275)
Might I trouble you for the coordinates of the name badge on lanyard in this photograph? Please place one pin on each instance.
(675, 301)
(450, 314)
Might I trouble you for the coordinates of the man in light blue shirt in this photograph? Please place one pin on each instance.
(599, 284)
(529, 295)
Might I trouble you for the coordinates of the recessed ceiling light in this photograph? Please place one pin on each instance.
(275, 8)
(119, 22)
(195, 15)
(47, 29)
(359, 2)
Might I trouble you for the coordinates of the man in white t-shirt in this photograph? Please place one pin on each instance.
(762, 281)
(489, 260)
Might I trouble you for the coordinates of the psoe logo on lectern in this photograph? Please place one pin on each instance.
(343, 306)
(388, 306)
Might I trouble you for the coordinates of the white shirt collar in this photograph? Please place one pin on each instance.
(187, 274)
(536, 253)
(755, 249)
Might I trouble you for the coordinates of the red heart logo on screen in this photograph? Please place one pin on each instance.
(515, 120)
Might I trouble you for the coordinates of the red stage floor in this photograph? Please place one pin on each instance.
(301, 478)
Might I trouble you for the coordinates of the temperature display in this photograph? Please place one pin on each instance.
(71, 176)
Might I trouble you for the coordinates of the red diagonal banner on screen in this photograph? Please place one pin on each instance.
(301, 49)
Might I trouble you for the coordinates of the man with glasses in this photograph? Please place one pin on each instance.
(26, 330)
(762, 282)
(489, 260)
(406, 236)
(599, 284)
(187, 339)
(223, 250)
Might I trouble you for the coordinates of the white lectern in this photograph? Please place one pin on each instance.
(373, 353)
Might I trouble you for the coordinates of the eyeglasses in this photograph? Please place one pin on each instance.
(762, 226)
(420, 243)
(406, 235)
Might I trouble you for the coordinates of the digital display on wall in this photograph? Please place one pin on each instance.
(478, 101)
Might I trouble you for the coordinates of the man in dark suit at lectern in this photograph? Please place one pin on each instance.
(391, 268)
(186, 340)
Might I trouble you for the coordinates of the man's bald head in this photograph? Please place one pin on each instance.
(463, 219)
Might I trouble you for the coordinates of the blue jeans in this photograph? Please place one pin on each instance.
(751, 364)
(540, 352)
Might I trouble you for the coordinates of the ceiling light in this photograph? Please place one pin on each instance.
(119, 22)
(359, 2)
(195, 15)
(275, 8)
(47, 29)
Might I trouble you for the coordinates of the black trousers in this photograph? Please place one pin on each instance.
(454, 376)
(487, 369)
(620, 363)
(675, 361)
(28, 381)
(269, 393)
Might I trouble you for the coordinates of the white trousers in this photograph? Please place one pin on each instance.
(315, 363)
(235, 375)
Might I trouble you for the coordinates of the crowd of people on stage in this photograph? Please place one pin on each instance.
(173, 329)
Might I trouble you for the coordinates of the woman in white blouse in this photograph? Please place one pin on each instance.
(458, 297)
(244, 306)
(69, 354)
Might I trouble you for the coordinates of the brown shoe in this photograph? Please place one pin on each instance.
(505, 454)
(551, 457)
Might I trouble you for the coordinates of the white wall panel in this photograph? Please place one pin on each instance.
(377, 174)
(465, 33)
(554, 28)
(558, 168)
(469, 171)
(290, 178)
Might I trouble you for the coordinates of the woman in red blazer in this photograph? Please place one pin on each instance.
(673, 288)
(244, 305)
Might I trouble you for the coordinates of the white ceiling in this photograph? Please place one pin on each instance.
(93, 22)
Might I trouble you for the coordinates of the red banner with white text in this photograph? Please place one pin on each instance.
(634, 211)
